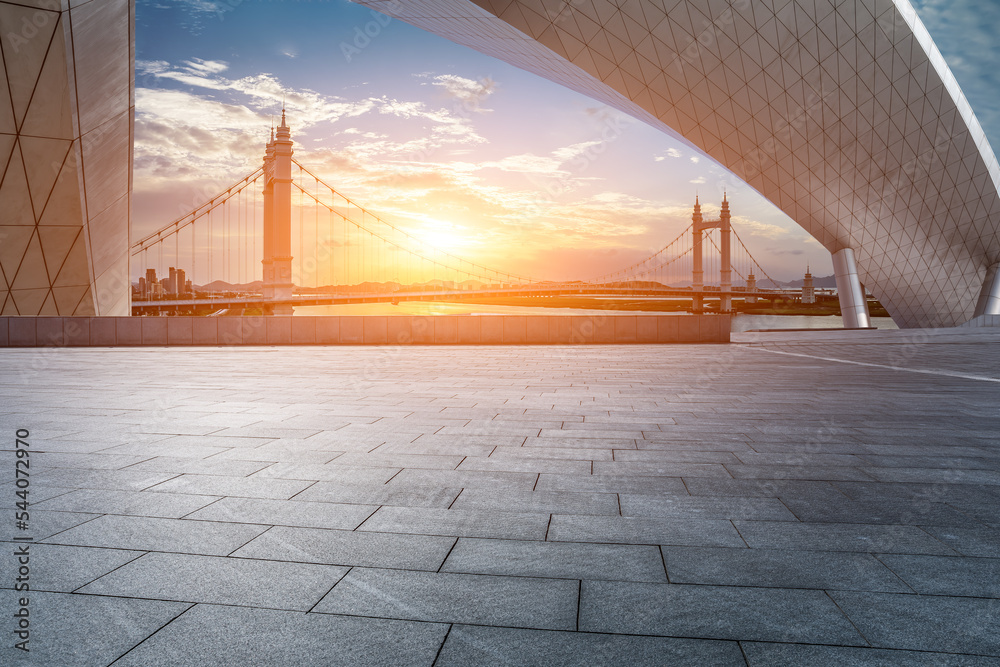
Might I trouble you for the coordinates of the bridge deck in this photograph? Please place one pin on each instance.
(444, 295)
(772, 502)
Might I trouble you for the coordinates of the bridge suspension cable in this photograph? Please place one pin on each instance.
(477, 270)
(632, 269)
(189, 218)
(755, 262)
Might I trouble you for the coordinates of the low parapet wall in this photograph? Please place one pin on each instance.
(364, 330)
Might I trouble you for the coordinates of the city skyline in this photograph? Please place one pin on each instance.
(476, 157)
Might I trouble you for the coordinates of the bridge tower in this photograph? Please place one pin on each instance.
(277, 260)
(699, 225)
(282, 259)
(266, 262)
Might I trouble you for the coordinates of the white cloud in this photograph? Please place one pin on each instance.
(695, 159)
(207, 66)
(470, 93)
(748, 227)
(673, 152)
(699, 180)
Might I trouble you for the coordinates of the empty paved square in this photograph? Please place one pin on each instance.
(820, 498)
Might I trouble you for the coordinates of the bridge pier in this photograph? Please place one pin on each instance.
(853, 304)
(989, 298)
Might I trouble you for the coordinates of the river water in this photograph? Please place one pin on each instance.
(740, 322)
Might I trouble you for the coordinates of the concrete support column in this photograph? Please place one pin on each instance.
(989, 298)
(853, 304)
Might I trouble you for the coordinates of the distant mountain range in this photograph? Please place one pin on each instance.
(257, 285)
(818, 281)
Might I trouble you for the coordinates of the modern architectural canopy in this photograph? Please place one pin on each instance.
(841, 112)
(66, 107)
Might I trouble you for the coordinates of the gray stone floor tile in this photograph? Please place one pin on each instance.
(245, 487)
(644, 530)
(840, 537)
(455, 598)
(215, 580)
(760, 488)
(149, 534)
(941, 460)
(82, 630)
(924, 623)
(661, 469)
(479, 645)
(327, 473)
(63, 569)
(793, 655)
(809, 472)
(205, 635)
(800, 458)
(712, 612)
(268, 430)
(45, 524)
(704, 507)
(555, 453)
(556, 559)
(39, 492)
(281, 513)
(886, 511)
(609, 484)
(137, 503)
(946, 575)
(277, 451)
(71, 460)
(211, 466)
(980, 543)
(575, 433)
(694, 440)
(458, 523)
(215, 440)
(544, 502)
(397, 460)
(525, 465)
(126, 480)
(165, 448)
(553, 442)
(344, 547)
(665, 456)
(780, 569)
(380, 494)
(469, 479)
(935, 475)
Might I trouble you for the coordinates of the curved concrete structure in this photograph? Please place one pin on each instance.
(65, 156)
(841, 112)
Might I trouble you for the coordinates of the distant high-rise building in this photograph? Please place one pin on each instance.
(172, 281)
(180, 282)
(808, 291)
(751, 288)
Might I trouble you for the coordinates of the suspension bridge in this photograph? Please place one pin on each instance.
(242, 249)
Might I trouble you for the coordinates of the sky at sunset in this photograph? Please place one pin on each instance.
(485, 160)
